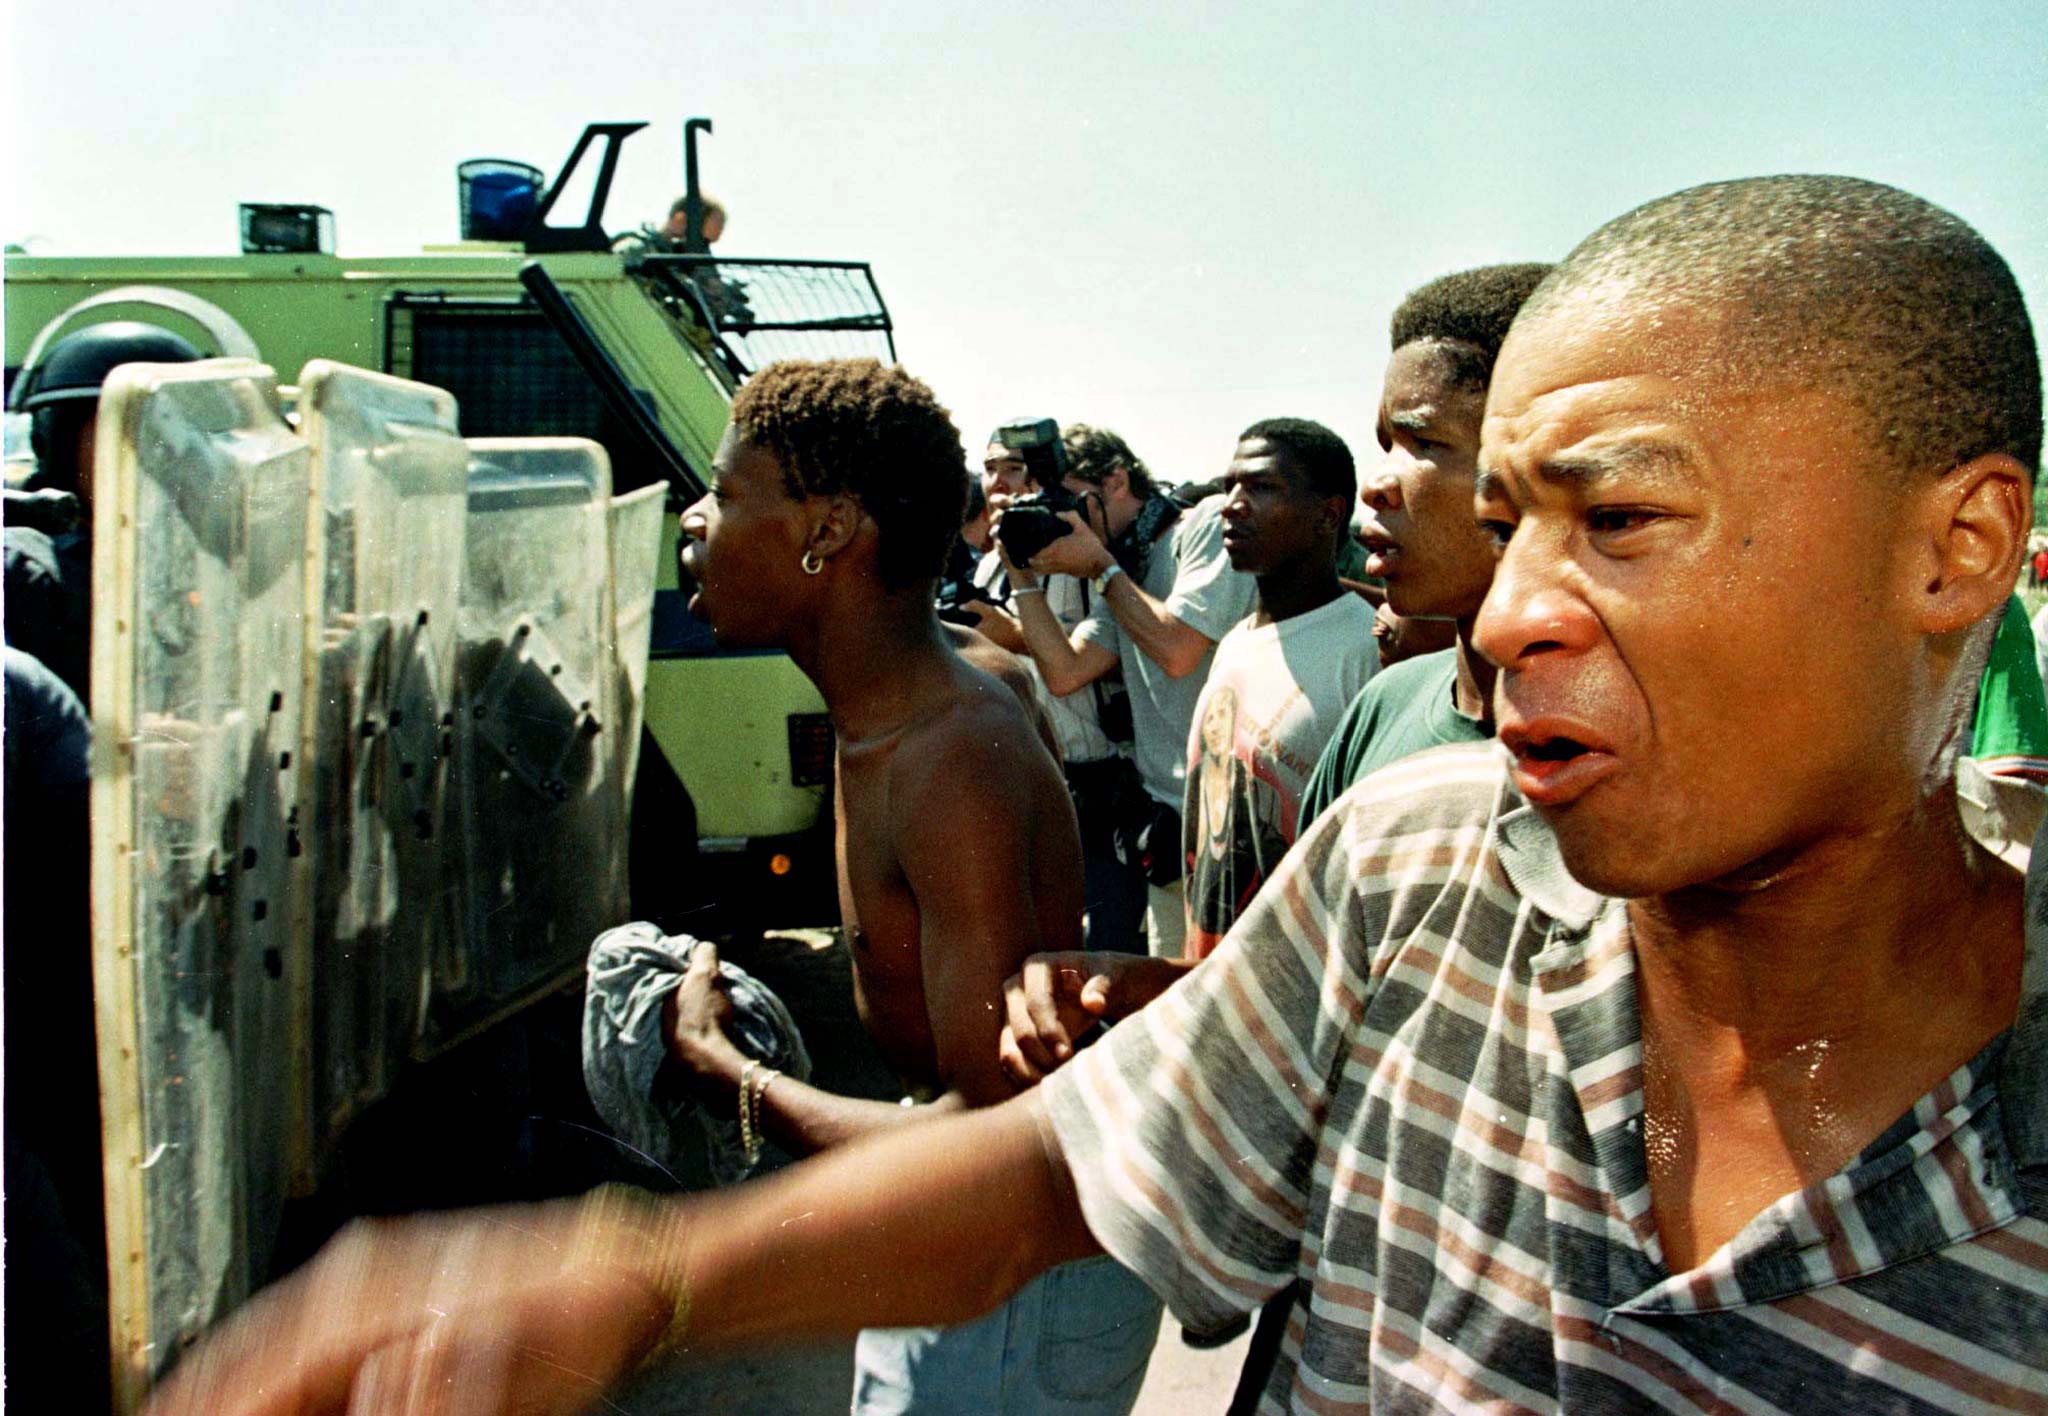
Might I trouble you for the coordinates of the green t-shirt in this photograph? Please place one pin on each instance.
(1403, 710)
(2011, 734)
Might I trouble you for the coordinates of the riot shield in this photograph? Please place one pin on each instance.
(636, 551)
(542, 810)
(198, 545)
(388, 522)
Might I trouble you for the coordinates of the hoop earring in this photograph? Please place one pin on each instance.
(811, 564)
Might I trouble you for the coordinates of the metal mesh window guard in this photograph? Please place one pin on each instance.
(764, 310)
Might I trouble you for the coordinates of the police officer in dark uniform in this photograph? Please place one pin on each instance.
(49, 522)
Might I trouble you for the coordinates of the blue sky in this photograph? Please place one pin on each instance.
(1169, 221)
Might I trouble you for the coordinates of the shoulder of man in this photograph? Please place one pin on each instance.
(1412, 675)
(1198, 523)
(1206, 593)
(1458, 784)
(48, 733)
(988, 734)
(1388, 692)
(1378, 864)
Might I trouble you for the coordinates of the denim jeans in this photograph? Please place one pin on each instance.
(1166, 919)
(1074, 1342)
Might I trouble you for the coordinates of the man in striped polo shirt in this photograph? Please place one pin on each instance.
(1686, 1050)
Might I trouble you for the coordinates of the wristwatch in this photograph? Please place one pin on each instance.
(1101, 582)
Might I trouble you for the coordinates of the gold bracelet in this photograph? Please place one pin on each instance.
(750, 1136)
(762, 1078)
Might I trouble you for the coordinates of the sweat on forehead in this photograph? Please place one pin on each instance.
(1840, 284)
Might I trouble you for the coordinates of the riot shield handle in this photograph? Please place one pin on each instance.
(590, 236)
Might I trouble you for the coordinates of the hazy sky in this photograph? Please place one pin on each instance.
(1169, 226)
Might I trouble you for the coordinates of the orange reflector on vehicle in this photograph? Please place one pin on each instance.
(780, 864)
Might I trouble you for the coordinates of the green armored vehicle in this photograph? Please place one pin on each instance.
(546, 330)
(372, 651)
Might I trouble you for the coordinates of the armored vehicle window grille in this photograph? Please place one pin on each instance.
(764, 310)
(511, 374)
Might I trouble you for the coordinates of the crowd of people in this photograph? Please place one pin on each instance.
(1564, 950)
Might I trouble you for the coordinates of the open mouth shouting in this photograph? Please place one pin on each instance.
(1381, 550)
(689, 573)
(1555, 760)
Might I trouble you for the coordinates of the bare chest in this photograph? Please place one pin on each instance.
(882, 925)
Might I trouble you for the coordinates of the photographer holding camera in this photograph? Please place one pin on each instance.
(1094, 728)
(1164, 593)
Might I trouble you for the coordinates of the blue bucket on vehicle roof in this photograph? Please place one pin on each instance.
(499, 198)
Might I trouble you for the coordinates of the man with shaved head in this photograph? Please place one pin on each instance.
(1685, 1051)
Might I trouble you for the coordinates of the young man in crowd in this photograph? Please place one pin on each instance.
(1281, 678)
(1419, 535)
(1437, 566)
(1164, 594)
(1689, 1054)
(837, 492)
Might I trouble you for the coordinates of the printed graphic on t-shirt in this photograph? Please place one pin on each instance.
(1243, 819)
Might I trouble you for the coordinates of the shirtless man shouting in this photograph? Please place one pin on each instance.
(836, 493)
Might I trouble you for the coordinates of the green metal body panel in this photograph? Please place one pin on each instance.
(719, 721)
(740, 777)
(299, 308)
(739, 774)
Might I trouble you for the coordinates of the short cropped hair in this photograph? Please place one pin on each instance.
(869, 430)
(1469, 310)
(1845, 285)
(710, 205)
(1312, 450)
(1094, 453)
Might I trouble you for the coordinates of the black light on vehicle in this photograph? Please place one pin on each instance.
(272, 228)
(810, 749)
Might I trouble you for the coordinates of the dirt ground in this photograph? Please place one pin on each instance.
(815, 1381)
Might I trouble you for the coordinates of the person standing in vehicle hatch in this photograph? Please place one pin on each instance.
(837, 491)
(1165, 593)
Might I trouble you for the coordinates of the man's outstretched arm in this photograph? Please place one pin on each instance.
(975, 810)
(538, 1309)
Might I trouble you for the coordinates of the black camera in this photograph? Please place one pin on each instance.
(1031, 523)
(956, 595)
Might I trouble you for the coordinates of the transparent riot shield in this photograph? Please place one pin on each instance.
(388, 520)
(198, 592)
(542, 808)
(636, 550)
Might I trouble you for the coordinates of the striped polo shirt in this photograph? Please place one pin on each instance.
(1408, 1086)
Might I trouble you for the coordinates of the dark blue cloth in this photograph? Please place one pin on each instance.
(49, 601)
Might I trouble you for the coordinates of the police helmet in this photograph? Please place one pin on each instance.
(62, 390)
(76, 365)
